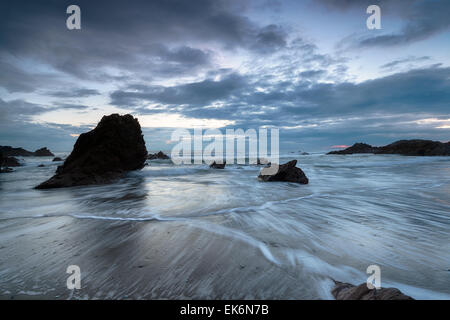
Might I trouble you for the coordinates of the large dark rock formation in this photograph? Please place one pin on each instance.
(159, 155)
(347, 291)
(99, 156)
(286, 172)
(402, 147)
(9, 151)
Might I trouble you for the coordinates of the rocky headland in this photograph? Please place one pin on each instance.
(401, 147)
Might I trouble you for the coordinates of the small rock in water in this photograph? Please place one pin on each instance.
(43, 152)
(262, 162)
(57, 159)
(347, 291)
(215, 165)
(286, 172)
(159, 155)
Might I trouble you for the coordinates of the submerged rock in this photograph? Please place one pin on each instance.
(347, 291)
(215, 165)
(286, 172)
(6, 170)
(159, 155)
(57, 159)
(103, 154)
(402, 147)
(41, 166)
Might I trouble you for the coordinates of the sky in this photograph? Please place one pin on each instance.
(312, 69)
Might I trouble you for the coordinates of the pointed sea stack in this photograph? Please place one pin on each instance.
(103, 154)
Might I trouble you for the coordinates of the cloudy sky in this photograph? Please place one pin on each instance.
(310, 68)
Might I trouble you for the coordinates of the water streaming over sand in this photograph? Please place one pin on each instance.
(192, 232)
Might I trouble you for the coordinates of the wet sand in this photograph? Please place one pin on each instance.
(137, 260)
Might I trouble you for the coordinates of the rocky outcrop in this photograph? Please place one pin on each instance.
(402, 147)
(43, 152)
(159, 155)
(286, 172)
(347, 291)
(20, 152)
(215, 165)
(103, 154)
(9, 151)
(57, 159)
(3, 164)
(9, 162)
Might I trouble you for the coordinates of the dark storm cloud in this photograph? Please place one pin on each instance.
(422, 19)
(18, 109)
(270, 38)
(284, 103)
(396, 63)
(145, 38)
(75, 93)
(68, 106)
(184, 54)
(21, 110)
(197, 93)
(16, 79)
(312, 74)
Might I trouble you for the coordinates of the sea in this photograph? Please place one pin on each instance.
(190, 232)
